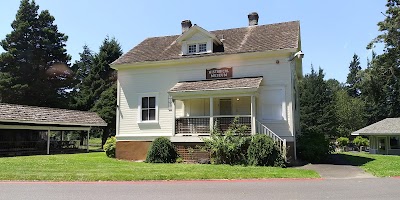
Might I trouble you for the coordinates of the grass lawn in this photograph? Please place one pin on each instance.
(378, 165)
(97, 167)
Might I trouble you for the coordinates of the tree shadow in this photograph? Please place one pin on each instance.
(345, 159)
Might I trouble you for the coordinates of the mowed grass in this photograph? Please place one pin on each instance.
(97, 167)
(378, 165)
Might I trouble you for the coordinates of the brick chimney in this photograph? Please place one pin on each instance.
(186, 24)
(253, 19)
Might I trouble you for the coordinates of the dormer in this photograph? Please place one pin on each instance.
(196, 40)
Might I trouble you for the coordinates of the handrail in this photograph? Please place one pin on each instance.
(262, 129)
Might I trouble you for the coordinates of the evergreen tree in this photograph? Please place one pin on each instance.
(349, 113)
(82, 67)
(381, 79)
(106, 108)
(353, 78)
(317, 113)
(100, 76)
(34, 67)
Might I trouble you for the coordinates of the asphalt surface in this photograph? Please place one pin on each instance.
(367, 188)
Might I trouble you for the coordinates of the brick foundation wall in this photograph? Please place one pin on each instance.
(132, 150)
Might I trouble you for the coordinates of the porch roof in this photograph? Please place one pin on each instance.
(13, 114)
(217, 85)
(388, 126)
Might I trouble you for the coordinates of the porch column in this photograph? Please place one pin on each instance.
(87, 141)
(173, 117)
(62, 135)
(211, 114)
(253, 114)
(48, 141)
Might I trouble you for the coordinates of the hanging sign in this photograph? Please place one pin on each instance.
(216, 73)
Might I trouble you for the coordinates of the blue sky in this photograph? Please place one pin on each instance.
(331, 31)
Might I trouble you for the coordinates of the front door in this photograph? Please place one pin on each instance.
(382, 147)
(225, 107)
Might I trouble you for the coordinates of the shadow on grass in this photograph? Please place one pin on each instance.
(345, 159)
(54, 152)
(336, 159)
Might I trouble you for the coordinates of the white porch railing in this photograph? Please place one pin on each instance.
(262, 129)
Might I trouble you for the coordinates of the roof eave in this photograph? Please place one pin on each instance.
(191, 60)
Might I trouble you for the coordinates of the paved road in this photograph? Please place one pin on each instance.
(375, 188)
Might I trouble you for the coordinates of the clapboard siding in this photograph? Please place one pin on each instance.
(160, 79)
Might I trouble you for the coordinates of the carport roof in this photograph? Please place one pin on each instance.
(388, 126)
(22, 114)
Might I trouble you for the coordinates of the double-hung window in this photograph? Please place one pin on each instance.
(148, 108)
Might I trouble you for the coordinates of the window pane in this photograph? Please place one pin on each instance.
(145, 115)
(152, 114)
(202, 47)
(394, 143)
(145, 102)
(152, 102)
(192, 48)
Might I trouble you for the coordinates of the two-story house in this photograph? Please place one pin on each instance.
(180, 86)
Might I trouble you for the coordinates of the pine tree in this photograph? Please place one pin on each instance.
(317, 113)
(100, 76)
(105, 107)
(35, 65)
(381, 79)
(353, 78)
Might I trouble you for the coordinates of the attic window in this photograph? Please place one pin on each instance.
(192, 48)
(197, 48)
(203, 47)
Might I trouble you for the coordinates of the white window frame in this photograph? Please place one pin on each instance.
(195, 50)
(198, 47)
(140, 96)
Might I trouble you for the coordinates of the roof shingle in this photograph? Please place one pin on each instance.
(45, 115)
(225, 84)
(238, 40)
(388, 126)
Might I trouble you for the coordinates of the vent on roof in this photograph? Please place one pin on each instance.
(253, 19)
(186, 24)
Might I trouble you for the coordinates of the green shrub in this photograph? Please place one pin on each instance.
(161, 151)
(360, 141)
(179, 160)
(264, 152)
(229, 147)
(342, 141)
(313, 147)
(109, 147)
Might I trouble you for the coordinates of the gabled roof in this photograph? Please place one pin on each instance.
(195, 29)
(238, 40)
(388, 126)
(51, 116)
(215, 85)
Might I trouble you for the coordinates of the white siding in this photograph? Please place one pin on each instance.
(161, 79)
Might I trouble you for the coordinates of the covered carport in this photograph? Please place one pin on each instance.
(21, 117)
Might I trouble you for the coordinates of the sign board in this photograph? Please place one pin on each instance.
(216, 73)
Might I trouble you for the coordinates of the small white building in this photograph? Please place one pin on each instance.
(179, 86)
(384, 136)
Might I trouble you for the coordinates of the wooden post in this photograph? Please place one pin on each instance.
(48, 141)
(211, 114)
(173, 117)
(253, 114)
(62, 135)
(87, 141)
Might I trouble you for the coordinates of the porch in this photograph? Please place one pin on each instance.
(195, 117)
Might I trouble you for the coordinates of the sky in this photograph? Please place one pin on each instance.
(331, 31)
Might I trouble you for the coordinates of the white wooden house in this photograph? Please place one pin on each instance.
(179, 86)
